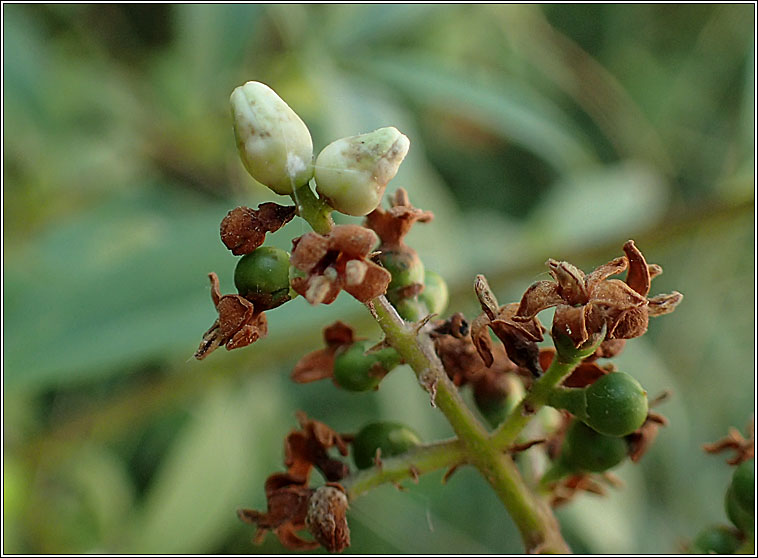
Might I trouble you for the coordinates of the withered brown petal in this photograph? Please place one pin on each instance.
(519, 342)
(480, 335)
(374, 283)
(629, 324)
(570, 321)
(664, 303)
(609, 348)
(215, 288)
(538, 297)
(249, 333)
(233, 312)
(571, 282)
(613, 267)
(314, 366)
(531, 328)
(352, 240)
(615, 293)
(638, 277)
(244, 229)
(339, 333)
(308, 250)
(584, 375)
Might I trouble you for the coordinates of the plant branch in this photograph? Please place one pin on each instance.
(534, 520)
(411, 464)
(533, 401)
(314, 210)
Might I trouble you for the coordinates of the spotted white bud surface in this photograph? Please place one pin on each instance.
(352, 173)
(273, 142)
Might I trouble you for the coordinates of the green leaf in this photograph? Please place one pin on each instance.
(191, 505)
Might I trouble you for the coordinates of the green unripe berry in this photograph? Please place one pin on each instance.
(411, 309)
(616, 404)
(584, 449)
(717, 539)
(354, 370)
(742, 518)
(352, 173)
(404, 265)
(273, 142)
(743, 484)
(435, 293)
(262, 276)
(392, 438)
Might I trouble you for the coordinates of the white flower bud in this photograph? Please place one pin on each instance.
(273, 142)
(352, 173)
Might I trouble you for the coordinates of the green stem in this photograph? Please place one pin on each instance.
(315, 211)
(414, 462)
(533, 401)
(534, 520)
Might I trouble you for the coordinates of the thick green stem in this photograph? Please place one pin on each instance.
(315, 211)
(538, 396)
(410, 464)
(535, 521)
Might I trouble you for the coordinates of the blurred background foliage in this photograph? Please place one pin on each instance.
(537, 131)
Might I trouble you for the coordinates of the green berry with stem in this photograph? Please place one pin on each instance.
(356, 370)
(616, 404)
(352, 173)
(584, 449)
(262, 277)
(391, 438)
(274, 144)
(404, 265)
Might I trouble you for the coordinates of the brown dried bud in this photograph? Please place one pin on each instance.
(319, 364)
(326, 518)
(244, 229)
(394, 223)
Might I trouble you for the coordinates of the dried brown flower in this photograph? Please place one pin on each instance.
(394, 223)
(338, 261)
(244, 229)
(326, 517)
(519, 337)
(744, 447)
(287, 501)
(319, 364)
(568, 487)
(306, 448)
(586, 303)
(238, 323)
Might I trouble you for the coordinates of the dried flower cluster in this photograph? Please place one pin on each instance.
(292, 505)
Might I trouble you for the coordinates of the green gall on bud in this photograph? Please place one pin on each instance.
(273, 142)
(616, 404)
(356, 370)
(566, 350)
(404, 265)
(352, 173)
(584, 449)
(262, 277)
(390, 438)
